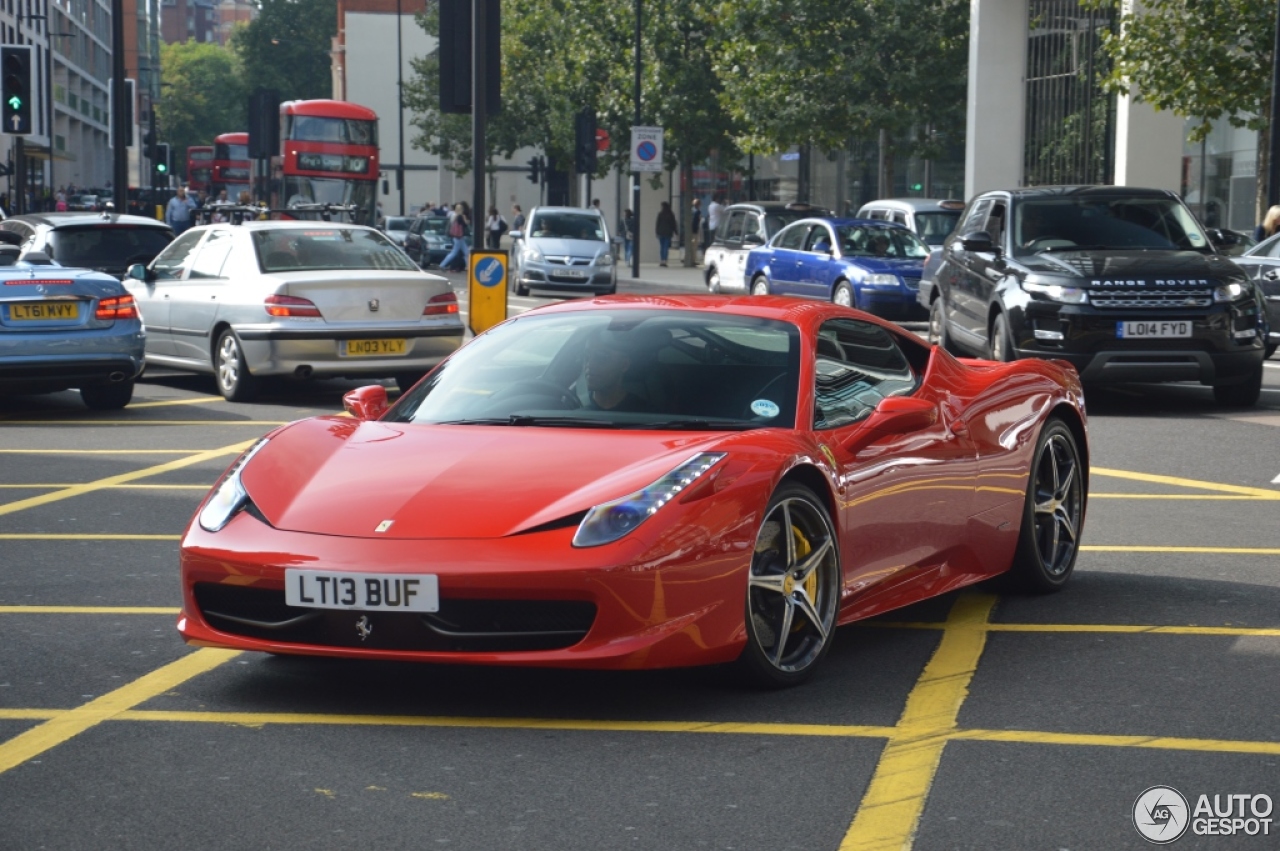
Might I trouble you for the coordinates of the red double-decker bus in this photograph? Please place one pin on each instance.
(329, 155)
(199, 167)
(232, 169)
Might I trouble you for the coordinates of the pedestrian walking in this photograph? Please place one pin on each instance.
(665, 228)
(714, 211)
(695, 228)
(494, 227)
(517, 218)
(1270, 225)
(627, 227)
(458, 229)
(177, 213)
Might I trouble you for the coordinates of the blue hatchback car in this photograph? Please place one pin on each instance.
(871, 265)
(62, 328)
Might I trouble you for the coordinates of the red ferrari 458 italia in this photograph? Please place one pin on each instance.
(632, 482)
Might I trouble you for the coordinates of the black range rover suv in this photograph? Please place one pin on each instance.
(1121, 282)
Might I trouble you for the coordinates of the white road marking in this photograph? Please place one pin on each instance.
(1276, 480)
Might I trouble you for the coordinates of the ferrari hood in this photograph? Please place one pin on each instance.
(336, 476)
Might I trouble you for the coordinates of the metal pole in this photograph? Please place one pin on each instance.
(19, 175)
(1273, 154)
(48, 100)
(635, 187)
(400, 103)
(119, 133)
(479, 105)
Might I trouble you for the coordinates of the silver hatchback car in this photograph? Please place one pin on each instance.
(299, 299)
(563, 248)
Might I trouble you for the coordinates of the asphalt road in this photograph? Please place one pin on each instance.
(978, 721)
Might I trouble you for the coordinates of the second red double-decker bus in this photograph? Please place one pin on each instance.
(329, 155)
(199, 167)
(232, 169)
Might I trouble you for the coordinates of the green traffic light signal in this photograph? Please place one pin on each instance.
(161, 167)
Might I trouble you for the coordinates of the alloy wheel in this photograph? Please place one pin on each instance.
(1058, 504)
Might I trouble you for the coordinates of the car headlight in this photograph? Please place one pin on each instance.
(880, 281)
(610, 521)
(1057, 292)
(229, 496)
(530, 254)
(1230, 292)
(604, 260)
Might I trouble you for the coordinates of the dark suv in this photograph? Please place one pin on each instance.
(1121, 282)
(105, 242)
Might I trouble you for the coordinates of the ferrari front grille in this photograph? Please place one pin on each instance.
(460, 626)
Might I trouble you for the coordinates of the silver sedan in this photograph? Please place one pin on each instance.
(300, 299)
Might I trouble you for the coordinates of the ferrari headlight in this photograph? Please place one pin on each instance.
(1229, 292)
(610, 521)
(229, 496)
(1057, 292)
(880, 281)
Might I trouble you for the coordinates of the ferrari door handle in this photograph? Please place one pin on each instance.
(959, 427)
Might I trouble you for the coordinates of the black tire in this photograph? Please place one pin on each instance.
(760, 285)
(107, 397)
(938, 334)
(1000, 343)
(713, 280)
(1052, 512)
(1243, 394)
(790, 592)
(405, 380)
(235, 383)
(842, 294)
(521, 289)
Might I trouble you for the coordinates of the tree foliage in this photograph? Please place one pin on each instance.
(287, 48)
(203, 95)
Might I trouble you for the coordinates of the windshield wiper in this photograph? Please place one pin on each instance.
(1054, 248)
(521, 420)
(700, 425)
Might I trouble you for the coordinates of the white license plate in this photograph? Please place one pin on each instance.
(1165, 328)
(570, 273)
(366, 592)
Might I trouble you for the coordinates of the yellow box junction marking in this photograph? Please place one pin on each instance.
(1151, 478)
(73, 722)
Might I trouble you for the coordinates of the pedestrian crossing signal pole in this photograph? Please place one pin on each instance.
(15, 65)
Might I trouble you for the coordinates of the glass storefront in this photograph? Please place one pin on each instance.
(1220, 177)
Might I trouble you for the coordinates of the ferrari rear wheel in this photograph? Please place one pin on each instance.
(1053, 512)
(793, 590)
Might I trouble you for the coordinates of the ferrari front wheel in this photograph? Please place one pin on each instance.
(793, 590)
(1052, 513)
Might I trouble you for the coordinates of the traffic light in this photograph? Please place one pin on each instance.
(535, 169)
(584, 144)
(161, 163)
(16, 63)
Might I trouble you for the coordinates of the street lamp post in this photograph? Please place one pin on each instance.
(49, 35)
(635, 187)
(400, 105)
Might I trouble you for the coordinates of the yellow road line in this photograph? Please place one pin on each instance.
(890, 810)
(1088, 740)
(88, 610)
(1260, 493)
(38, 536)
(166, 403)
(122, 478)
(148, 422)
(1119, 629)
(50, 486)
(71, 723)
(1198, 497)
(101, 451)
(1241, 551)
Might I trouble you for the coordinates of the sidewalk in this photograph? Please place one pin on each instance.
(673, 276)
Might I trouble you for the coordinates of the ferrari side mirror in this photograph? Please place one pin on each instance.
(366, 403)
(902, 415)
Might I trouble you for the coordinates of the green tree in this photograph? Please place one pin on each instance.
(1203, 61)
(287, 47)
(202, 96)
(828, 72)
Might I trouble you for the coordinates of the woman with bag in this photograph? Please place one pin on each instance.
(459, 229)
(494, 227)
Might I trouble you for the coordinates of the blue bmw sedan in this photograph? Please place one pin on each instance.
(62, 328)
(871, 265)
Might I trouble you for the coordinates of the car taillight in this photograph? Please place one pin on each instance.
(441, 304)
(119, 307)
(287, 305)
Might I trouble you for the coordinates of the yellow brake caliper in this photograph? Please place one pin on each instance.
(803, 548)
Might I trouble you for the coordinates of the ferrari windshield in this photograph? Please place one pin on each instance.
(1093, 223)
(641, 369)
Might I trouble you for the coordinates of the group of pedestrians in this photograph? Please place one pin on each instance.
(702, 228)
